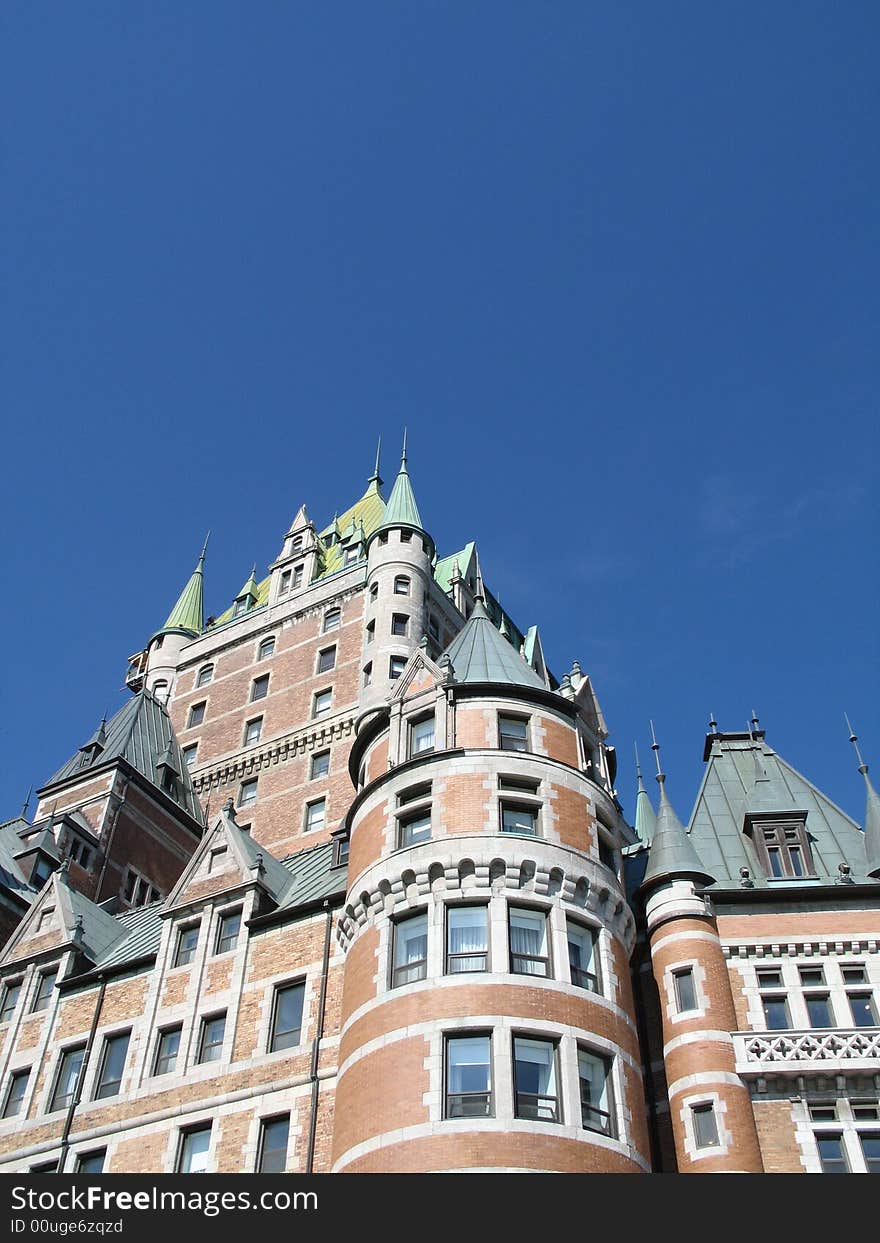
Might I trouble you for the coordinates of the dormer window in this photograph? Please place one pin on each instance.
(783, 847)
(297, 576)
(240, 607)
(284, 585)
(351, 556)
(296, 543)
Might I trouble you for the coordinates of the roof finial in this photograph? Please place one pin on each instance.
(655, 747)
(26, 804)
(755, 720)
(376, 478)
(713, 724)
(638, 766)
(403, 454)
(205, 546)
(853, 737)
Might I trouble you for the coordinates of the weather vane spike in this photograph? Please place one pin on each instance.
(205, 546)
(403, 454)
(378, 455)
(755, 720)
(853, 737)
(638, 765)
(655, 747)
(713, 724)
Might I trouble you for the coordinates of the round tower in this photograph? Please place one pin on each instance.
(185, 623)
(400, 556)
(487, 1014)
(713, 1123)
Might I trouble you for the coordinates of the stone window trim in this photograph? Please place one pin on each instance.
(178, 1141)
(13, 1098)
(259, 688)
(794, 970)
(686, 1114)
(509, 804)
(670, 972)
(549, 1106)
(106, 1085)
(325, 661)
(197, 714)
(274, 1035)
(44, 992)
(184, 954)
(266, 647)
(266, 991)
(263, 1150)
(55, 1102)
(408, 815)
(511, 736)
(222, 930)
(842, 1120)
(10, 996)
(402, 585)
(204, 676)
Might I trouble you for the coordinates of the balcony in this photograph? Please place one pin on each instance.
(832, 1051)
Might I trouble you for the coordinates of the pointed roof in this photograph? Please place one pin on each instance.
(872, 827)
(731, 790)
(188, 613)
(672, 853)
(250, 585)
(646, 820)
(402, 509)
(98, 739)
(479, 653)
(140, 733)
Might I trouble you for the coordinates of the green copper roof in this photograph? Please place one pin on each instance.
(141, 734)
(872, 827)
(672, 853)
(745, 776)
(480, 654)
(646, 820)
(188, 613)
(250, 586)
(402, 509)
(443, 570)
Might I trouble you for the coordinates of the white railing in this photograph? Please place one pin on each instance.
(780, 1051)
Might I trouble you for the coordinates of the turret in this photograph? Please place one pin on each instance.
(156, 666)
(400, 555)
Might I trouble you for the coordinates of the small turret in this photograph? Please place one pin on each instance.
(872, 813)
(156, 668)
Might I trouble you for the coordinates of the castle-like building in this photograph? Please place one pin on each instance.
(345, 886)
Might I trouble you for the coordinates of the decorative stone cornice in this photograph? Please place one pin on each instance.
(277, 751)
(762, 1053)
(802, 949)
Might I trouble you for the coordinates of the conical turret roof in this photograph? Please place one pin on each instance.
(872, 826)
(480, 654)
(402, 509)
(646, 819)
(672, 852)
(188, 612)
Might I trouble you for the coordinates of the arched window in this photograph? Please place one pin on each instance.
(332, 620)
(267, 648)
(401, 585)
(206, 673)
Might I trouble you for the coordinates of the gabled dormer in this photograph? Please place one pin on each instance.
(63, 919)
(298, 561)
(420, 719)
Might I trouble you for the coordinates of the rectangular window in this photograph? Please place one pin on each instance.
(11, 994)
(594, 1075)
(260, 688)
(368, 673)
(421, 736)
(371, 632)
(468, 1077)
(267, 648)
(399, 623)
(854, 974)
(410, 958)
(112, 1066)
(297, 576)
(831, 1153)
(284, 585)
(332, 620)
(870, 1142)
(525, 785)
(414, 793)
(607, 853)
(315, 815)
(819, 1010)
(513, 733)
(194, 1147)
(534, 1073)
(415, 829)
(206, 673)
(166, 1051)
(287, 1017)
(211, 1038)
(322, 702)
(189, 754)
(864, 1012)
(581, 956)
(252, 731)
(187, 940)
(685, 990)
(705, 1126)
(528, 942)
(15, 1093)
(401, 585)
(776, 1013)
(196, 715)
(467, 939)
(67, 1078)
(45, 987)
(785, 848)
(274, 1135)
(227, 932)
(247, 793)
(320, 765)
(327, 659)
(396, 666)
(91, 1162)
(516, 818)
(811, 976)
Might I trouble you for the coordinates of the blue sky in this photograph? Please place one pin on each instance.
(615, 266)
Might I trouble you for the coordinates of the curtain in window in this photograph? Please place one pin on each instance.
(535, 1068)
(527, 938)
(469, 1065)
(467, 936)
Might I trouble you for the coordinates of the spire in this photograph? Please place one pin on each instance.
(376, 479)
(672, 853)
(872, 811)
(188, 614)
(250, 587)
(646, 820)
(480, 653)
(98, 740)
(26, 804)
(402, 509)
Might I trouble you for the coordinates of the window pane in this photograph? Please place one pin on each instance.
(870, 1141)
(247, 795)
(535, 1080)
(187, 940)
(320, 764)
(831, 1154)
(410, 950)
(594, 1073)
(260, 688)
(166, 1052)
(819, 1011)
(467, 943)
(519, 820)
(315, 813)
(468, 1077)
(205, 675)
(112, 1066)
(44, 990)
(322, 702)
(580, 957)
(863, 1010)
(273, 1145)
(287, 1024)
(422, 736)
(68, 1077)
(685, 991)
(326, 660)
(267, 648)
(15, 1093)
(776, 1013)
(416, 830)
(705, 1128)
(253, 732)
(194, 1151)
(211, 1043)
(332, 620)
(227, 936)
(91, 1162)
(11, 994)
(775, 858)
(528, 943)
(513, 733)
